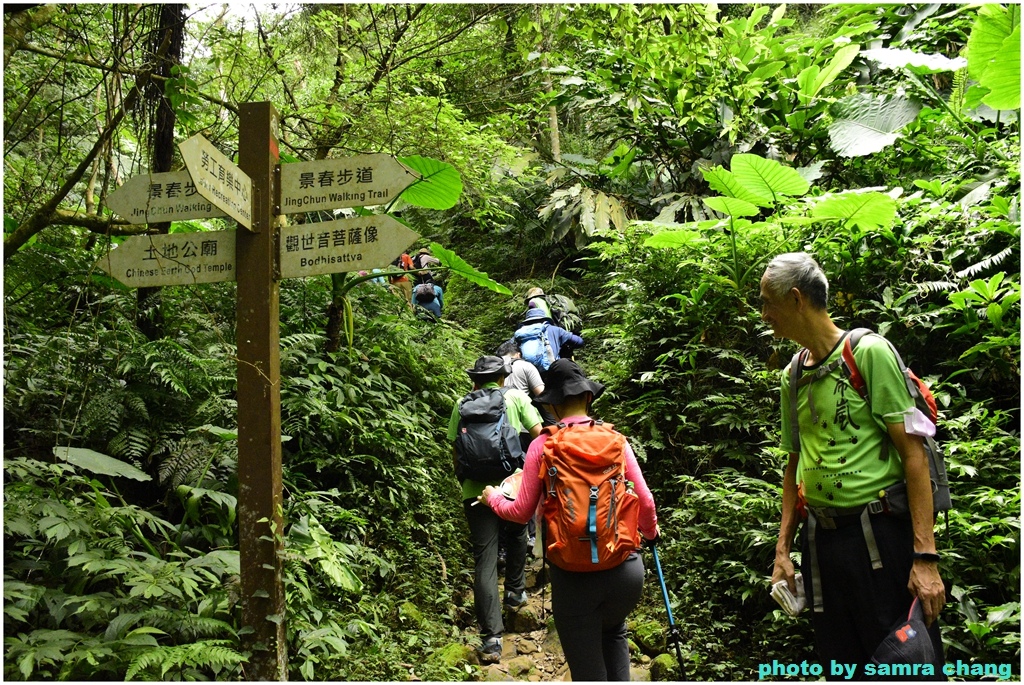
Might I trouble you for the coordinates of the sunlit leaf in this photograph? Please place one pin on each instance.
(95, 462)
(439, 187)
(864, 124)
(459, 267)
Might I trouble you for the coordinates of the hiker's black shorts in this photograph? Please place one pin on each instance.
(860, 603)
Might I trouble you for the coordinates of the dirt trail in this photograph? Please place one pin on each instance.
(530, 651)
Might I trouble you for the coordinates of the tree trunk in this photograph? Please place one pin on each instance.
(545, 47)
(149, 309)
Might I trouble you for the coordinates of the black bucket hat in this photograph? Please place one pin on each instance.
(908, 641)
(564, 379)
(489, 365)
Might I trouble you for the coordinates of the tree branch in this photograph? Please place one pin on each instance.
(20, 24)
(41, 217)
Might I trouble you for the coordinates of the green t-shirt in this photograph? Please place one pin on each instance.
(840, 462)
(522, 416)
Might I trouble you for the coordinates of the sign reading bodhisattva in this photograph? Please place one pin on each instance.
(359, 243)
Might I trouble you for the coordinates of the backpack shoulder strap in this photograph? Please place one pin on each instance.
(856, 379)
(794, 386)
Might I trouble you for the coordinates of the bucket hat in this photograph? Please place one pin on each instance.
(908, 641)
(534, 315)
(564, 378)
(489, 365)
(533, 292)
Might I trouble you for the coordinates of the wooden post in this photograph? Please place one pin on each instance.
(260, 534)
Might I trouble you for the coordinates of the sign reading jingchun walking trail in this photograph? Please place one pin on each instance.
(169, 196)
(359, 181)
(257, 259)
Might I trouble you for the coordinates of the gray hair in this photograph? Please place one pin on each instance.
(797, 270)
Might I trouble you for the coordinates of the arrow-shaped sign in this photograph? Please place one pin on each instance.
(359, 181)
(359, 243)
(146, 261)
(152, 198)
(218, 179)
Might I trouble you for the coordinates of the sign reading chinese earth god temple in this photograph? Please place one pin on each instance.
(152, 198)
(218, 179)
(364, 242)
(358, 181)
(146, 261)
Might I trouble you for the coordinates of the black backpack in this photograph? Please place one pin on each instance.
(424, 292)
(487, 446)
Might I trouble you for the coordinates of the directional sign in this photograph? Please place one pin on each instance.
(146, 261)
(363, 242)
(218, 179)
(358, 181)
(152, 198)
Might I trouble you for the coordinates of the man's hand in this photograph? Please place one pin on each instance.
(926, 585)
(784, 570)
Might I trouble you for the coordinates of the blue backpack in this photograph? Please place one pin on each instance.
(534, 345)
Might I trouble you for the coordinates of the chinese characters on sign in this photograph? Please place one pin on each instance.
(152, 198)
(365, 242)
(174, 259)
(218, 179)
(359, 181)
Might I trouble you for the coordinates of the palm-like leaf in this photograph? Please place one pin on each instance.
(864, 124)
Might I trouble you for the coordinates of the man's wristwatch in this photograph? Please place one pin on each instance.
(927, 556)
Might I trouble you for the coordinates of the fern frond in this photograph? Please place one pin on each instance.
(130, 443)
(214, 655)
(984, 264)
(935, 287)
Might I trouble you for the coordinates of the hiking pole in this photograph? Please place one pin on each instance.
(674, 638)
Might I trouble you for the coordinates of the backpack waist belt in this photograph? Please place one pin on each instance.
(828, 518)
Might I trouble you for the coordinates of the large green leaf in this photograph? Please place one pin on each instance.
(864, 124)
(679, 238)
(919, 63)
(439, 187)
(728, 184)
(459, 267)
(991, 28)
(768, 178)
(840, 61)
(99, 463)
(1002, 77)
(866, 210)
(733, 206)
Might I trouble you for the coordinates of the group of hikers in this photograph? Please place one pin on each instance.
(860, 478)
(421, 288)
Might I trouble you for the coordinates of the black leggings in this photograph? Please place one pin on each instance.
(590, 616)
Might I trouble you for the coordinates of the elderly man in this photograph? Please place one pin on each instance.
(861, 567)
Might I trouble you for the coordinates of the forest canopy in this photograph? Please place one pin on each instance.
(644, 160)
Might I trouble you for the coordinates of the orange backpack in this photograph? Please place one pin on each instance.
(590, 511)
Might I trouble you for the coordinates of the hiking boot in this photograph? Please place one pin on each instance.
(490, 650)
(513, 599)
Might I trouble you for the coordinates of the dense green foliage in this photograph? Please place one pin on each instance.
(692, 144)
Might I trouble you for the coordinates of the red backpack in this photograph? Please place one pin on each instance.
(590, 511)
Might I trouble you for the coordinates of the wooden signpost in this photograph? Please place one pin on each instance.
(258, 258)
